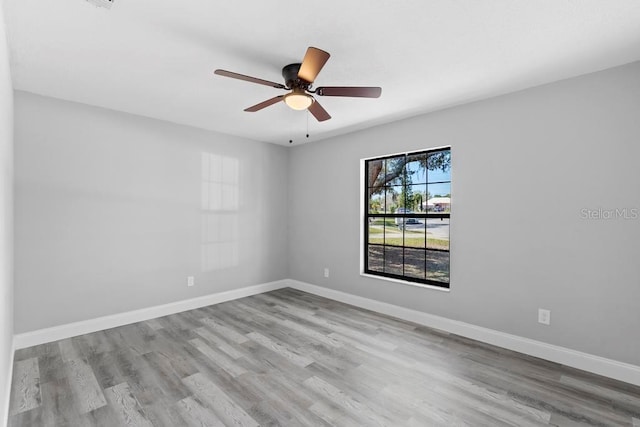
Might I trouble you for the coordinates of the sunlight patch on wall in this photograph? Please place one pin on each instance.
(220, 202)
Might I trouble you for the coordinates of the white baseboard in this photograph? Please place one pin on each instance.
(69, 330)
(587, 362)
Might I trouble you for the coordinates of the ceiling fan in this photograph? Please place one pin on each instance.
(298, 80)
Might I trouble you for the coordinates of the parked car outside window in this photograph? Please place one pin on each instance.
(402, 222)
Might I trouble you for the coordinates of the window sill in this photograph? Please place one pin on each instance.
(404, 282)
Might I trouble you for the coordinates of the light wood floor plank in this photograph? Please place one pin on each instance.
(289, 358)
(333, 414)
(126, 406)
(68, 350)
(25, 392)
(215, 340)
(220, 359)
(197, 415)
(154, 324)
(225, 331)
(354, 407)
(278, 348)
(226, 409)
(86, 390)
(58, 405)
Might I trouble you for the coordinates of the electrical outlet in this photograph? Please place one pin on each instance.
(544, 316)
(191, 281)
(326, 272)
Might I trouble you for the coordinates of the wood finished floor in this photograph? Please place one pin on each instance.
(294, 359)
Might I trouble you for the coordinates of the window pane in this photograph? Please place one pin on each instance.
(438, 266)
(392, 196)
(414, 263)
(439, 166)
(393, 260)
(394, 167)
(439, 197)
(414, 232)
(376, 203)
(376, 258)
(376, 230)
(438, 233)
(392, 232)
(415, 168)
(376, 173)
(414, 197)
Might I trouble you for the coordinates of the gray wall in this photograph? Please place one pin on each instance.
(524, 167)
(6, 214)
(114, 211)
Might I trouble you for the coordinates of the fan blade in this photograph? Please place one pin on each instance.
(233, 75)
(312, 63)
(264, 104)
(318, 112)
(353, 91)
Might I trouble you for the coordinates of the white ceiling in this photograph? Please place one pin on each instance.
(156, 57)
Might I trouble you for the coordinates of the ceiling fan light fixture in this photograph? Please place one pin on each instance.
(298, 100)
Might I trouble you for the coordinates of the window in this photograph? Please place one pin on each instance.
(407, 215)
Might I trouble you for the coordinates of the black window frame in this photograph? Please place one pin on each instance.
(424, 215)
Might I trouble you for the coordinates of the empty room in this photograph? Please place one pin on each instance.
(418, 213)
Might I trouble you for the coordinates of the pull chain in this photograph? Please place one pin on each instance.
(291, 140)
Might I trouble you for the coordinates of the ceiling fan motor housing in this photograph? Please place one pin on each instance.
(290, 74)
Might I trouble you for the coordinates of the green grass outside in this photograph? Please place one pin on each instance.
(413, 243)
(381, 221)
(412, 238)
